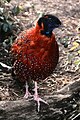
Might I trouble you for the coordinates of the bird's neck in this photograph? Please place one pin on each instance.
(37, 28)
(42, 31)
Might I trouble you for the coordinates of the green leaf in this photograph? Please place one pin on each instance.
(5, 27)
(75, 45)
(16, 10)
(77, 62)
(78, 51)
(65, 44)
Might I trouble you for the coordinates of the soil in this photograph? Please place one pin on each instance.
(68, 11)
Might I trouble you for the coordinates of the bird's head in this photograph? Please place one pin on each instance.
(47, 23)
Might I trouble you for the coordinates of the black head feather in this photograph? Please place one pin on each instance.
(50, 22)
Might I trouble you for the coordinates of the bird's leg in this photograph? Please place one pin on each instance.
(37, 98)
(27, 94)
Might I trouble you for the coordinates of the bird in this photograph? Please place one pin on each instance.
(35, 54)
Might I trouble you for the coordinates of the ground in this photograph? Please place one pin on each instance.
(67, 70)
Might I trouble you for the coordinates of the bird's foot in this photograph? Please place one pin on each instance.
(27, 95)
(38, 99)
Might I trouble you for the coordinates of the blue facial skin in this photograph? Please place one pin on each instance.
(48, 30)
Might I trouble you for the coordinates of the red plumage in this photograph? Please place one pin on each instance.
(35, 52)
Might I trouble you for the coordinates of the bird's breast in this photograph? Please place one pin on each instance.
(35, 56)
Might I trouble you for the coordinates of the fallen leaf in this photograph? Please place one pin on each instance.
(75, 45)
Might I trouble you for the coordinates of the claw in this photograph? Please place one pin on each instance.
(27, 94)
(37, 98)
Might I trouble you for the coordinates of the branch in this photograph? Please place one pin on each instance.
(60, 106)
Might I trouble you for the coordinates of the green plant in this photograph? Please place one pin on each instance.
(8, 27)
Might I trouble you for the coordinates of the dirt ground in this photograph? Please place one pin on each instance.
(66, 71)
